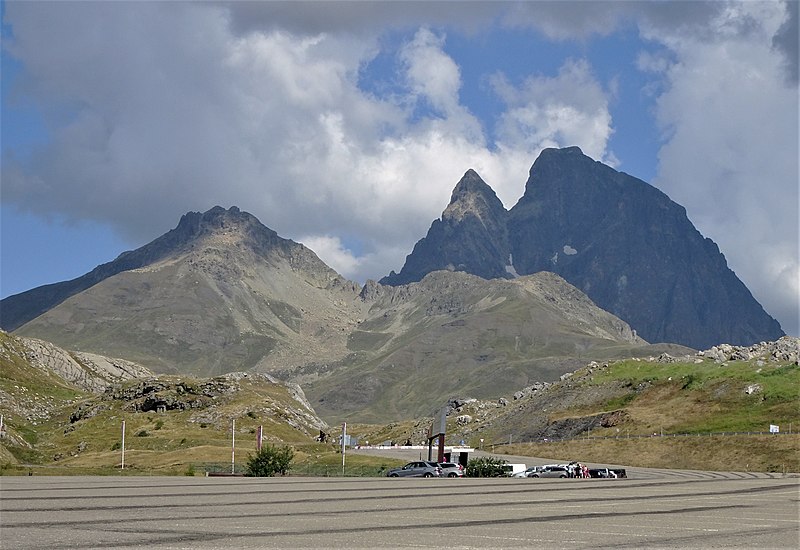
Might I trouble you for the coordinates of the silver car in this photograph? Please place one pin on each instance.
(529, 472)
(421, 468)
(551, 471)
(451, 469)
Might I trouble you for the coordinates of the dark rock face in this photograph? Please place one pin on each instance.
(470, 236)
(623, 242)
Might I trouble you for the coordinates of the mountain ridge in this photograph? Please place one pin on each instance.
(223, 293)
(619, 239)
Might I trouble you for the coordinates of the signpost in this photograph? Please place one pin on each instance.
(122, 467)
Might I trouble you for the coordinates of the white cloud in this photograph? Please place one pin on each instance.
(570, 108)
(729, 118)
(333, 252)
(165, 107)
(431, 73)
(179, 107)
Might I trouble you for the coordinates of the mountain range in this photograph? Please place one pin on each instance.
(623, 242)
(482, 307)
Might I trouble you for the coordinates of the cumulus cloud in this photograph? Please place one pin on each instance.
(333, 252)
(165, 107)
(432, 74)
(570, 107)
(172, 101)
(729, 117)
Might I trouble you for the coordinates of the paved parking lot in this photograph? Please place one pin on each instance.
(159, 512)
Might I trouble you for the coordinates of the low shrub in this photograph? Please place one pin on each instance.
(486, 466)
(270, 460)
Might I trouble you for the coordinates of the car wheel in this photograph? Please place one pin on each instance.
(563, 477)
(534, 475)
(452, 475)
(427, 474)
(393, 475)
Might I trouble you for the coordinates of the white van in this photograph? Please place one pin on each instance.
(512, 469)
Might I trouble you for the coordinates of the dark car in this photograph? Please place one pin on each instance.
(451, 469)
(420, 468)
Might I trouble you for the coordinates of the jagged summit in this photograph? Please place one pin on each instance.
(623, 242)
(216, 223)
(472, 196)
(470, 236)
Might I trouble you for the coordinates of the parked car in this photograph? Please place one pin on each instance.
(420, 468)
(551, 471)
(451, 469)
(529, 471)
(511, 470)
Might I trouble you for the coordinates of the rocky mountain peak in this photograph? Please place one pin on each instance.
(568, 171)
(620, 240)
(470, 236)
(472, 196)
(221, 241)
(215, 226)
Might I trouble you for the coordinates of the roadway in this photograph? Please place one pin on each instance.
(712, 511)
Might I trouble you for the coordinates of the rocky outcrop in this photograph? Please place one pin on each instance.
(86, 371)
(784, 350)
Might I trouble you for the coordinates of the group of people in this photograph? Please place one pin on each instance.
(576, 469)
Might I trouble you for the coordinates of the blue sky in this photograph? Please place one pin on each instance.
(346, 125)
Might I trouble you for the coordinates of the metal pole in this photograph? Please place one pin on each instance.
(123, 446)
(233, 445)
(344, 447)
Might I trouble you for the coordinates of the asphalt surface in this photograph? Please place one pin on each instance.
(686, 511)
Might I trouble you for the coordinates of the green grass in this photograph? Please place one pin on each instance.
(777, 381)
(704, 397)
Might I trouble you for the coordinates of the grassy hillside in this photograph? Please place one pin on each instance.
(172, 424)
(608, 413)
(454, 334)
(86, 434)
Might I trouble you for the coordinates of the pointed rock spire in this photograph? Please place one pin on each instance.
(470, 236)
